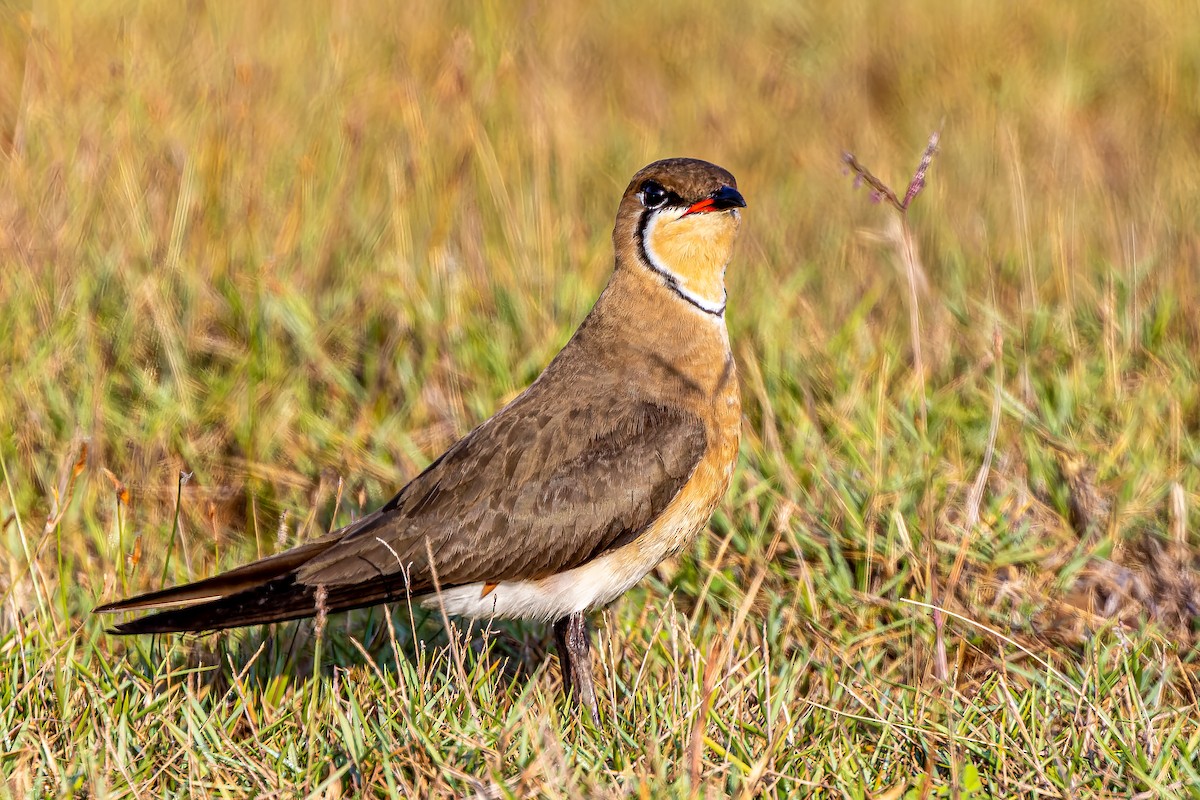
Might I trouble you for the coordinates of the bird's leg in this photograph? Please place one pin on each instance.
(575, 659)
(564, 655)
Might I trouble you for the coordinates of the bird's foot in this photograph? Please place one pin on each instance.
(575, 658)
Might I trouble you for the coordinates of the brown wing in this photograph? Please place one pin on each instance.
(535, 490)
(524, 496)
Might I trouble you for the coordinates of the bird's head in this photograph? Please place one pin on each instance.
(679, 219)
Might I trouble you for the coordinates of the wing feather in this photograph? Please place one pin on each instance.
(533, 491)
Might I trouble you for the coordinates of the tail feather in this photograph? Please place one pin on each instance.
(278, 600)
(236, 581)
(267, 590)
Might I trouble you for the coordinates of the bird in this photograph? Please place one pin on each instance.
(611, 461)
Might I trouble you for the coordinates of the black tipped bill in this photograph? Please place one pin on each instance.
(724, 198)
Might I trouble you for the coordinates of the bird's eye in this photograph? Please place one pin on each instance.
(653, 195)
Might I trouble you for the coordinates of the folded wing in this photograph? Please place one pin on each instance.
(533, 491)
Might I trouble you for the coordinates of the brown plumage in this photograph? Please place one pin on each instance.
(613, 459)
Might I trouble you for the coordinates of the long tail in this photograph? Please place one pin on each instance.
(263, 591)
(276, 600)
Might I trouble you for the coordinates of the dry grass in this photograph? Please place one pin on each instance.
(295, 253)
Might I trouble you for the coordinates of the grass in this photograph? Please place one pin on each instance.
(296, 254)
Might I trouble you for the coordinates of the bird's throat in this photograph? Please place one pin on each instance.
(691, 252)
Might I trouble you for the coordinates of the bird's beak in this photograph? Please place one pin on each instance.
(720, 200)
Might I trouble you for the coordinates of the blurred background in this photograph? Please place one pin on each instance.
(259, 243)
(295, 251)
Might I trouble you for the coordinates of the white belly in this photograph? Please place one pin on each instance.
(595, 584)
(591, 586)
